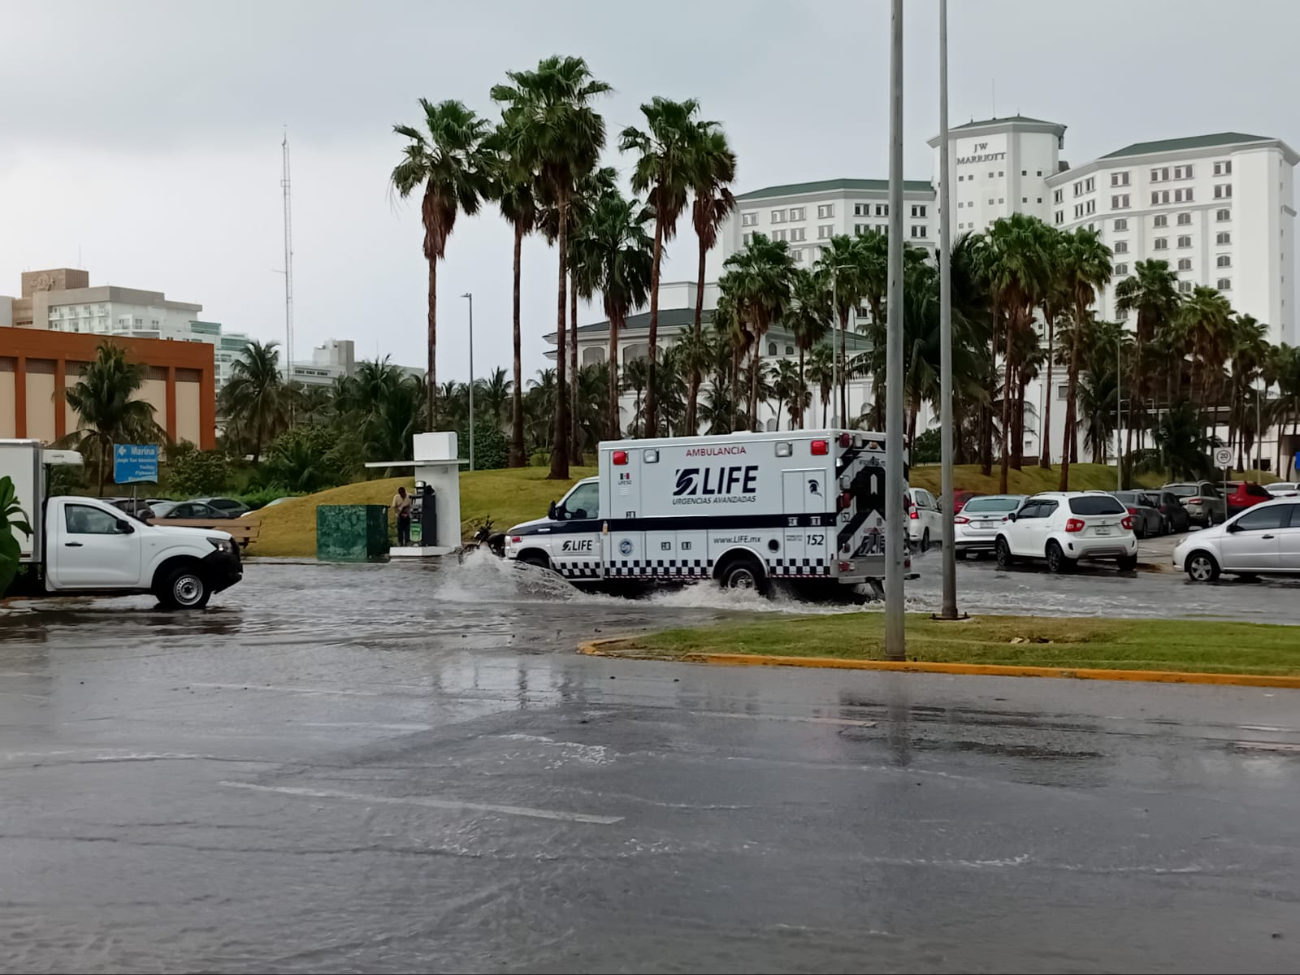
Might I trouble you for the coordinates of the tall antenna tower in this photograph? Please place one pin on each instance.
(288, 261)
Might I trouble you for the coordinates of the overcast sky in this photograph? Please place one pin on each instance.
(141, 140)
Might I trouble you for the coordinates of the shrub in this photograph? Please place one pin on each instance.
(299, 460)
(192, 472)
(927, 448)
(12, 519)
(491, 452)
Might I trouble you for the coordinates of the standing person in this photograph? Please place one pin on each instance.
(402, 505)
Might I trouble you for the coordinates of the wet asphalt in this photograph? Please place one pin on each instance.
(397, 768)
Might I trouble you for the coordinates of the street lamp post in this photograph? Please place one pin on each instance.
(948, 607)
(895, 539)
(469, 295)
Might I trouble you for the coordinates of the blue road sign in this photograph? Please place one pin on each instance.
(135, 462)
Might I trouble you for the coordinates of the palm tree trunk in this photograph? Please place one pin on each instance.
(735, 386)
(560, 448)
(575, 448)
(103, 465)
(1006, 410)
(517, 458)
(844, 367)
(651, 400)
(615, 323)
(802, 391)
(753, 377)
(431, 373)
(1045, 461)
(826, 402)
(693, 391)
(1069, 449)
(1017, 460)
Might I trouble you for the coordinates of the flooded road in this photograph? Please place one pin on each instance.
(396, 768)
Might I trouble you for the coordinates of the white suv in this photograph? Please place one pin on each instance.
(1065, 526)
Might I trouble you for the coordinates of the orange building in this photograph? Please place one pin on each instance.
(37, 365)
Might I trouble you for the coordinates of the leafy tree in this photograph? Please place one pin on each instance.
(809, 319)
(300, 460)
(554, 131)
(106, 412)
(926, 448)
(491, 453)
(760, 279)
(1152, 293)
(445, 162)
(12, 518)
(492, 395)
(1085, 266)
(192, 472)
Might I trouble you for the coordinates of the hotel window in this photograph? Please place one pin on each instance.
(1223, 191)
(746, 240)
(1184, 219)
(796, 254)
(859, 228)
(1223, 238)
(797, 233)
(1184, 287)
(918, 231)
(990, 201)
(882, 209)
(1058, 196)
(1159, 196)
(825, 210)
(1223, 260)
(1223, 168)
(824, 231)
(796, 213)
(1162, 243)
(1184, 264)
(1121, 247)
(779, 235)
(1121, 270)
(1159, 175)
(860, 210)
(1184, 241)
(1089, 184)
(1060, 217)
(1119, 202)
(1040, 172)
(1182, 172)
(1224, 284)
(1119, 179)
(1222, 215)
(778, 216)
(749, 219)
(1161, 221)
(918, 211)
(1183, 195)
(1121, 223)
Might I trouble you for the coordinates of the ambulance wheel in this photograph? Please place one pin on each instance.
(743, 572)
(538, 559)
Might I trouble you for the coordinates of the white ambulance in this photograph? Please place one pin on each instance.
(805, 507)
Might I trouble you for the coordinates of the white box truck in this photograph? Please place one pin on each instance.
(806, 507)
(83, 546)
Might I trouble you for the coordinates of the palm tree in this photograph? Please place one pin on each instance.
(1017, 257)
(1283, 370)
(713, 171)
(554, 131)
(734, 339)
(842, 271)
(513, 189)
(821, 370)
(539, 410)
(785, 386)
(255, 401)
(1205, 322)
(612, 255)
(761, 279)
(446, 162)
(665, 171)
(106, 412)
(1248, 350)
(809, 319)
(390, 424)
(1152, 293)
(494, 393)
(1085, 266)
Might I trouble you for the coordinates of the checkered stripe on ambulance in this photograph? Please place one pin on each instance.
(804, 504)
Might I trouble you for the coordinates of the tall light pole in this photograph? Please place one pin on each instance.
(470, 296)
(895, 537)
(948, 608)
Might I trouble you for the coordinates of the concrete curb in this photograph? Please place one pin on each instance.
(603, 648)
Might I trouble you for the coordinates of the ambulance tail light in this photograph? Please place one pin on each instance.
(843, 501)
(846, 439)
(820, 448)
(620, 457)
(846, 566)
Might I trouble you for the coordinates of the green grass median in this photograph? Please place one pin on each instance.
(1027, 641)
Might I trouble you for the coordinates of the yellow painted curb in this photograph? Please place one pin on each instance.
(601, 648)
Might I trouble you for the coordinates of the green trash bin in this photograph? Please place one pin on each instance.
(351, 532)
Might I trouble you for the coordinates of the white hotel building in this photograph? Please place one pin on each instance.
(1219, 208)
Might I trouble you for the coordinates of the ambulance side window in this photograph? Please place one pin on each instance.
(583, 502)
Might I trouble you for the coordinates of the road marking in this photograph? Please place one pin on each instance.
(432, 803)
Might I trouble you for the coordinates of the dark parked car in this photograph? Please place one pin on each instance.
(1177, 519)
(1245, 495)
(1202, 500)
(197, 510)
(234, 506)
(137, 507)
(1147, 520)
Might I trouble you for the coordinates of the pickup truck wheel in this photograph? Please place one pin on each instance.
(185, 588)
(743, 573)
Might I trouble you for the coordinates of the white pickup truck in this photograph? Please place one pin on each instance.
(83, 546)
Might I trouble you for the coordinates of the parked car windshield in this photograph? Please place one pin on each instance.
(1183, 490)
(992, 504)
(1097, 504)
(1131, 497)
